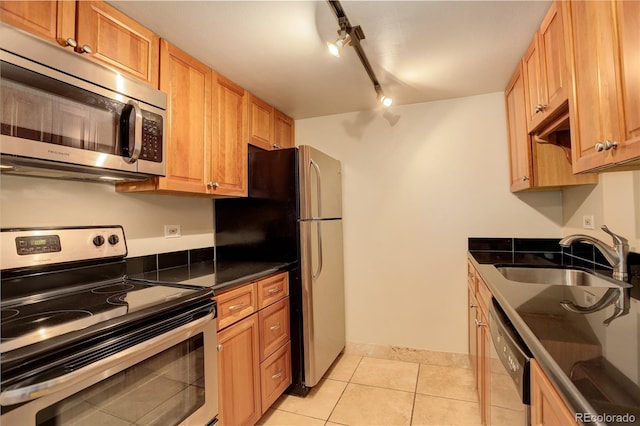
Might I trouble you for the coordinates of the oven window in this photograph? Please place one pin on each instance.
(162, 390)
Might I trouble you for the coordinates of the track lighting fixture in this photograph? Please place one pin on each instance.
(336, 47)
(384, 100)
(351, 36)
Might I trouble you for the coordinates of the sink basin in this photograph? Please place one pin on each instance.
(557, 276)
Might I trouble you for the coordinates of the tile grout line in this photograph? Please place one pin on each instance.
(345, 388)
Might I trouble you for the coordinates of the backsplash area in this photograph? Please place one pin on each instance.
(174, 267)
(547, 251)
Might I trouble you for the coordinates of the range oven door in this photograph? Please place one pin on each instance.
(167, 380)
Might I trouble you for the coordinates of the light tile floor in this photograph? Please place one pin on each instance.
(369, 391)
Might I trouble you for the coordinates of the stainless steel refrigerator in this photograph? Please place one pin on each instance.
(293, 215)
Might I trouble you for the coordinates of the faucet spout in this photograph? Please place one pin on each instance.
(616, 255)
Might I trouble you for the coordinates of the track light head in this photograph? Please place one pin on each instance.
(336, 47)
(384, 100)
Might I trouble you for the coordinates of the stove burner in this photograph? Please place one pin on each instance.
(114, 288)
(118, 300)
(22, 325)
(5, 314)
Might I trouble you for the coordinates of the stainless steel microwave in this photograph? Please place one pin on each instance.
(66, 116)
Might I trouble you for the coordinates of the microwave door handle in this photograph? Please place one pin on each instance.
(126, 133)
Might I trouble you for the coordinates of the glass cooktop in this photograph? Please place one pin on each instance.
(38, 318)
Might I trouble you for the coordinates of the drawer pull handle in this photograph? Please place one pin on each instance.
(236, 307)
(277, 375)
(480, 323)
(274, 327)
(274, 290)
(473, 306)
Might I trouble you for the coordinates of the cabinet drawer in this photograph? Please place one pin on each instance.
(236, 304)
(272, 288)
(274, 327)
(275, 375)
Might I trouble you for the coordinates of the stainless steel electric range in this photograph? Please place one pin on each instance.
(82, 343)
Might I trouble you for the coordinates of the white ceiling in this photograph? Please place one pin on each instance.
(420, 51)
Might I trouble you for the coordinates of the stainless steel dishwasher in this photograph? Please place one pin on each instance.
(510, 378)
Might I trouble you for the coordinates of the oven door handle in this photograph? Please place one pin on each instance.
(27, 390)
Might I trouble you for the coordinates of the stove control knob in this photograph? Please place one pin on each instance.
(98, 240)
(113, 239)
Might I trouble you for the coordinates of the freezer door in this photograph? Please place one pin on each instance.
(322, 296)
(320, 185)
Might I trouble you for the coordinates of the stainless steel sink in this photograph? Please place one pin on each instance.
(558, 276)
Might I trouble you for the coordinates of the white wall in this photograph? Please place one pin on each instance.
(614, 202)
(26, 201)
(417, 182)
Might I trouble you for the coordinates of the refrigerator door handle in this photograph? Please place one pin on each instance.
(318, 187)
(316, 274)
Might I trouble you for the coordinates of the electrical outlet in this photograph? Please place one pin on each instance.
(171, 231)
(589, 298)
(587, 222)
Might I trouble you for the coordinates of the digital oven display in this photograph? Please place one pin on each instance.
(38, 245)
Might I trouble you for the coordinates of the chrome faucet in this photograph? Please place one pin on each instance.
(616, 255)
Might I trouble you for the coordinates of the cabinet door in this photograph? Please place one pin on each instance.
(484, 367)
(533, 83)
(628, 18)
(553, 61)
(284, 131)
(260, 123)
(518, 137)
(118, 41)
(594, 110)
(228, 155)
(275, 374)
(187, 83)
(547, 407)
(473, 334)
(239, 373)
(51, 20)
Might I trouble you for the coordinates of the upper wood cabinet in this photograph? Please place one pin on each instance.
(269, 128)
(229, 153)
(92, 28)
(517, 135)
(284, 128)
(603, 41)
(51, 20)
(206, 150)
(261, 120)
(545, 71)
(534, 163)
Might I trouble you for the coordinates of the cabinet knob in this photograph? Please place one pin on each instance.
(606, 145)
(219, 348)
(480, 323)
(540, 108)
(85, 49)
(71, 42)
(275, 146)
(473, 306)
(525, 178)
(211, 185)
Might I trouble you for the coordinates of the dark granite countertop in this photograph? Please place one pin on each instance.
(208, 274)
(595, 367)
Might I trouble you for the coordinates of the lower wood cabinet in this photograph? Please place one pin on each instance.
(547, 407)
(239, 373)
(480, 340)
(254, 348)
